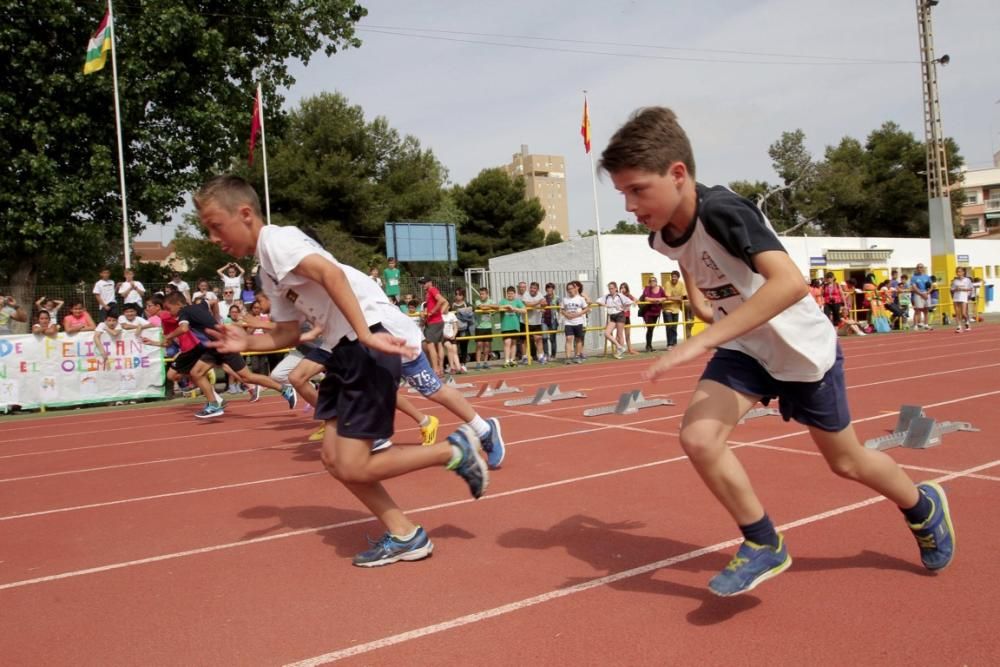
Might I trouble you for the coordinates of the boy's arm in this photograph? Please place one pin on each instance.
(782, 287)
(699, 304)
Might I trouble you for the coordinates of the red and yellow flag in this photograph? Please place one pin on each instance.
(585, 126)
(254, 126)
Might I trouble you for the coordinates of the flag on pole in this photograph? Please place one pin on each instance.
(98, 46)
(585, 126)
(254, 125)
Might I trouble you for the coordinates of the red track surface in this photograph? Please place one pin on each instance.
(145, 537)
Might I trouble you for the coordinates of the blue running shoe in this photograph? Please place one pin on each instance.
(936, 535)
(752, 565)
(493, 444)
(290, 395)
(210, 410)
(381, 444)
(389, 549)
(471, 467)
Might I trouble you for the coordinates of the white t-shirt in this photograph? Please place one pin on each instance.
(133, 293)
(573, 307)
(233, 282)
(615, 304)
(181, 286)
(103, 328)
(536, 306)
(106, 289)
(210, 297)
(294, 298)
(137, 322)
(958, 289)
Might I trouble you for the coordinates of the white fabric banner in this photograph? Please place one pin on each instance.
(68, 369)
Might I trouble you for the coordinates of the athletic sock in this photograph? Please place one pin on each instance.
(409, 536)
(456, 457)
(761, 532)
(425, 422)
(920, 512)
(480, 426)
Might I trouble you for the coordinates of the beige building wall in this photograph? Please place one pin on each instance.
(544, 178)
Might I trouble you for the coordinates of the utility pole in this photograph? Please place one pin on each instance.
(938, 200)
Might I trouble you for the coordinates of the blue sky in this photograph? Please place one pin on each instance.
(473, 81)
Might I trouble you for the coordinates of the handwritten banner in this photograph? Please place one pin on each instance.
(68, 369)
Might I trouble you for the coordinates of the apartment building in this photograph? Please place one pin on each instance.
(980, 192)
(544, 178)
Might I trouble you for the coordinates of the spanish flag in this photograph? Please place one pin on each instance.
(255, 120)
(98, 46)
(585, 126)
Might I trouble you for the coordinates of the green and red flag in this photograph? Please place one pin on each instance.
(98, 46)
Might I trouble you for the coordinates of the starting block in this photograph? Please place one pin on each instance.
(486, 391)
(755, 413)
(914, 430)
(629, 403)
(545, 395)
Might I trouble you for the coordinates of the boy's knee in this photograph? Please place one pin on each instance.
(700, 443)
(844, 466)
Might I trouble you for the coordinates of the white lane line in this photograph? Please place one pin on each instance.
(173, 494)
(476, 617)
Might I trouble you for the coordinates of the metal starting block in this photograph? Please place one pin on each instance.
(914, 430)
(545, 395)
(755, 413)
(486, 391)
(629, 403)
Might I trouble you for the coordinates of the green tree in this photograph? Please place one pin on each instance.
(621, 227)
(553, 238)
(499, 220)
(186, 74)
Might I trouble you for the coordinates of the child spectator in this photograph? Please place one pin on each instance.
(484, 327)
(550, 321)
(466, 323)
(833, 299)
(109, 327)
(767, 340)
(78, 319)
(373, 274)
(130, 319)
(10, 312)
(390, 280)
(816, 291)
(210, 298)
(510, 326)
(249, 291)
(51, 306)
(961, 293)
(104, 292)
(625, 291)
(231, 275)
(44, 326)
(615, 305)
(132, 291)
(903, 296)
(574, 312)
(449, 334)
(178, 284)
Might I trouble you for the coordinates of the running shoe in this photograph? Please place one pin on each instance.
(255, 393)
(389, 549)
(542, 359)
(380, 444)
(619, 352)
(936, 535)
(494, 445)
(290, 395)
(579, 359)
(752, 565)
(429, 433)
(318, 434)
(471, 467)
(209, 411)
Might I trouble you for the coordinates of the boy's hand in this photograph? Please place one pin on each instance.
(687, 351)
(228, 338)
(384, 342)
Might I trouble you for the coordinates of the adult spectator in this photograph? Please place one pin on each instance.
(231, 275)
(435, 306)
(466, 323)
(390, 280)
(248, 291)
(676, 293)
(104, 292)
(178, 284)
(230, 298)
(833, 299)
(650, 308)
(920, 297)
(10, 312)
(131, 290)
(534, 302)
(550, 321)
(78, 319)
(522, 355)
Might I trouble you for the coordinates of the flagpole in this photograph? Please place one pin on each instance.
(597, 216)
(263, 149)
(118, 130)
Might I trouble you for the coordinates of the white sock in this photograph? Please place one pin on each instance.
(409, 536)
(426, 421)
(480, 426)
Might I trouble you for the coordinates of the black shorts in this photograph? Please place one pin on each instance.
(484, 332)
(574, 330)
(822, 404)
(185, 361)
(216, 358)
(359, 390)
(534, 328)
(509, 334)
(616, 317)
(318, 355)
(434, 333)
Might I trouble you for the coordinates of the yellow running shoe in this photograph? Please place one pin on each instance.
(429, 433)
(317, 435)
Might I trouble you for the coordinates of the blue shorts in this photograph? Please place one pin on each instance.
(359, 390)
(419, 375)
(821, 404)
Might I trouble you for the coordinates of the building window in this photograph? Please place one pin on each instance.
(971, 198)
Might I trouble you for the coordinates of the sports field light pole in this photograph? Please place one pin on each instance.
(938, 200)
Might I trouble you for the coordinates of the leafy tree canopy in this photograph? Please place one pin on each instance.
(499, 220)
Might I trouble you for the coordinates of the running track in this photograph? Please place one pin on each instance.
(145, 537)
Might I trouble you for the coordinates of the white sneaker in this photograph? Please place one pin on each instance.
(958, 329)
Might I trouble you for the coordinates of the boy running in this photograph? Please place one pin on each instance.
(357, 397)
(770, 341)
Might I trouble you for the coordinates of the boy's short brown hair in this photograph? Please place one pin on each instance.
(651, 140)
(228, 191)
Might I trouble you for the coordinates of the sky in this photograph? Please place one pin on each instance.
(473, 81)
